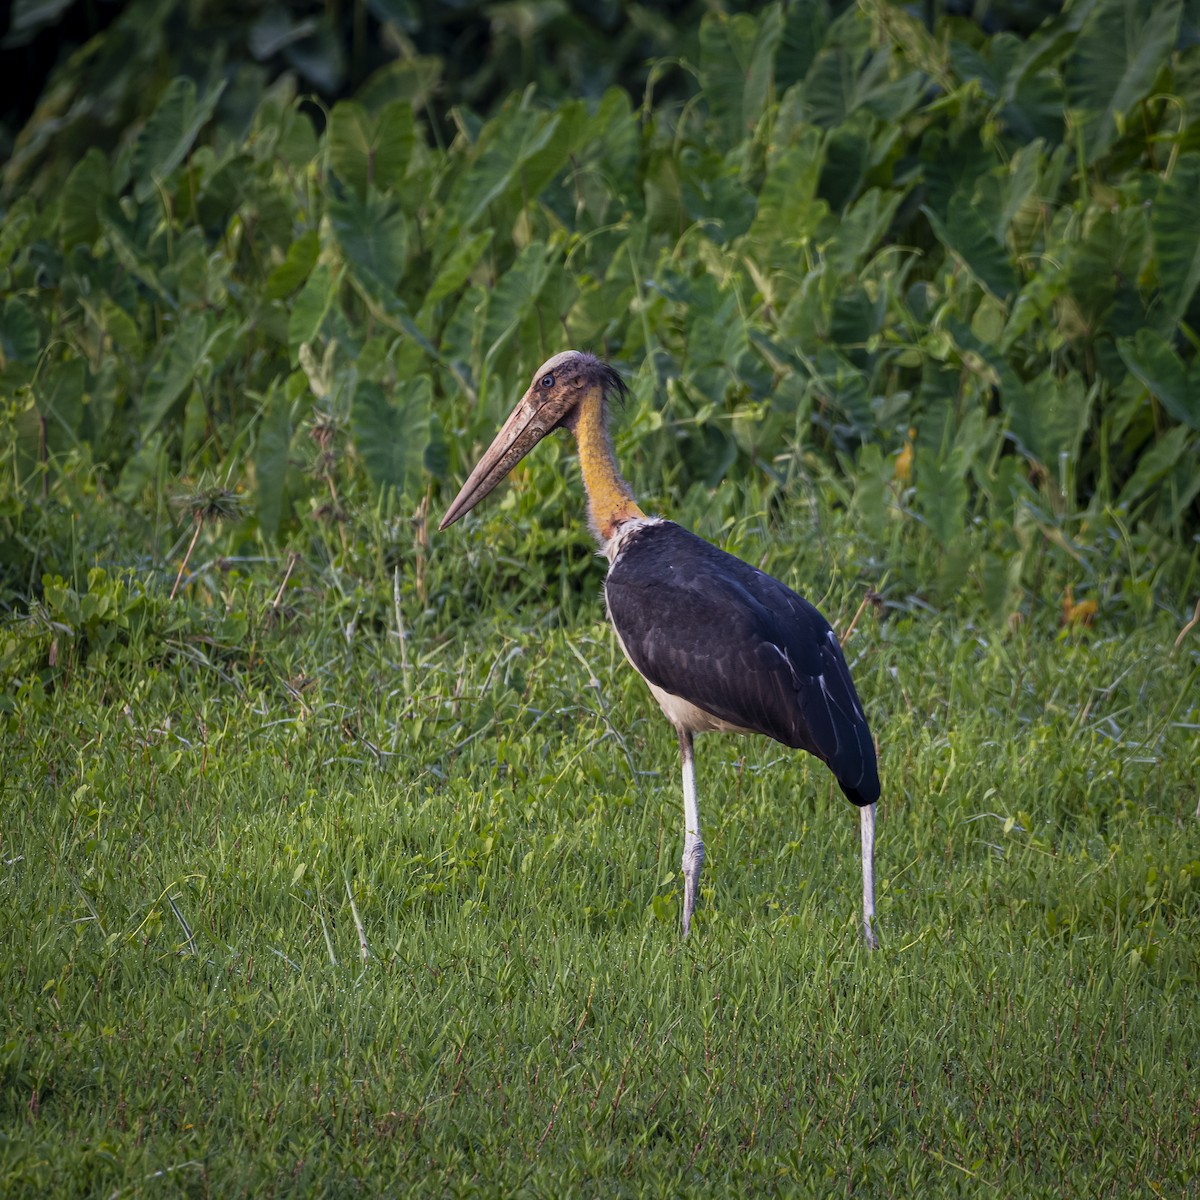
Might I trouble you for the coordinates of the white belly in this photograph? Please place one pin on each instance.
(683, 714)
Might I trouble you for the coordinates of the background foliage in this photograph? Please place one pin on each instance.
(952, 275)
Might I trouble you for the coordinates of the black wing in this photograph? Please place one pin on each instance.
(731, 640)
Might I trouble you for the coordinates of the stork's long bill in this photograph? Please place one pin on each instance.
(569, 391)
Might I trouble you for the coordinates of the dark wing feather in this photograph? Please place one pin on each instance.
(731, 640)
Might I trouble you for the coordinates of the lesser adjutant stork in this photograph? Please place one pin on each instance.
(722, 645)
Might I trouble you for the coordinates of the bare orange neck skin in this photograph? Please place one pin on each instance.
(610, 500)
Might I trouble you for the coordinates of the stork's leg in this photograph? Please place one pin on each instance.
(693, 847)
(866, 817)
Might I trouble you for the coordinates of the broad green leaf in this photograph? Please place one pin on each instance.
(804, 28)
(311, 306)
(544, 156)
(26, 440)
(59, 391)
(967, 235)
(664, 195)
(395, 137)
(1113, 63)
(1162, 372)
(788, 210)
(859, 231)
(411, 80)
(171, 132)
(940, 476)
(1154, 464)
(88, 183)
(1049, 417)
(195, 424)
(19, 336)
(295, 268)
(727, 45)
(1177, 235)
(272, 448)
(453, 273)
(392, 436)
(387, 307)
(847, 158)
(125, 238)
(831, 85)
(373, 235)
(713, 193)
(514, 296)
(365, 151)
(175, 366)
(350, 143)
(518, 147)
(758, 84)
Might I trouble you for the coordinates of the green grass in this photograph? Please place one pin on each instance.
(200, 839)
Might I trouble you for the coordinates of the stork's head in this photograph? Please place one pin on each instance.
(560, 386)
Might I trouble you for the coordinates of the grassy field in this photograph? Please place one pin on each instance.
(290, 912)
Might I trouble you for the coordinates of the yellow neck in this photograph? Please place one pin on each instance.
(609, 499)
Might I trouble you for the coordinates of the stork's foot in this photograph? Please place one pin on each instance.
(693, 861)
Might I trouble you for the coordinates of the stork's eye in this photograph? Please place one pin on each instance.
(547, 381)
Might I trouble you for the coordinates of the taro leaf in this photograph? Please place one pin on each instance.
(664, 195)
(19, 337)
(939, 476)
(175, 366)
(364, 151)
(1162, 372)
(756, 87)
(1173, 223)
(859, 231)
(514, 297)
(1112, 65)
(967, 235)
(88, 182)
(787, 208)
(453, 272)
(272, 446)
(373, 235)
(26, 442)
(715, 196)
(308, 312)
(350, 142)
(387, 307)
(546, 155)
(830, 88)
(727, 45)
(847, 156)
(804, 29)
(411, 80)
(59, 392)
(1154, 464)
(392, 437)
(395, 137)
(492, 172)
(519, 147)
(295, 268)
(171, 132)
(125, 238)
(1049, 417)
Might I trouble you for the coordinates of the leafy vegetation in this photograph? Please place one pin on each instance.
(340, 853)
(961, 270)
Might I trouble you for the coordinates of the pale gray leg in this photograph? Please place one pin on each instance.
(866, 816)
(693, 847)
